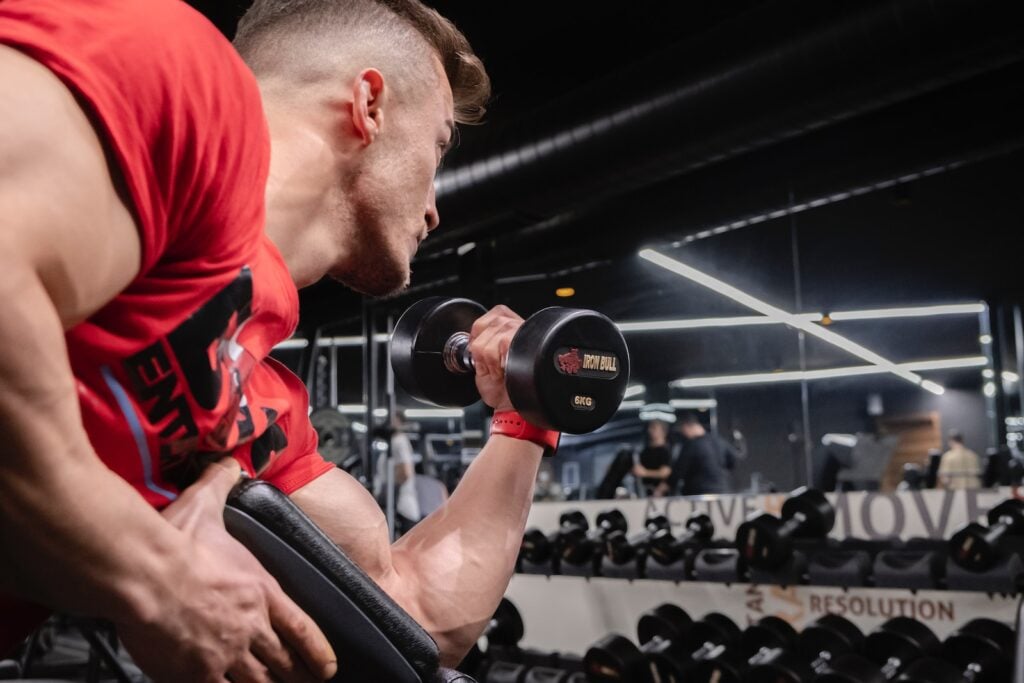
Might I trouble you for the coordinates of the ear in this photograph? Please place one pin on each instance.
(367, 104)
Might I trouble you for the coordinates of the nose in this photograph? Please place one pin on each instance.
(431, 217)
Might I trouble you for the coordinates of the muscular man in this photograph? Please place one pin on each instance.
(142, 296)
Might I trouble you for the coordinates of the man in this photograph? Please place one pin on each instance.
(653, 465)
(959, 467)
(703, 464)
(142, 297)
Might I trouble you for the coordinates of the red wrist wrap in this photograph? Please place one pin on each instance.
(511, 424)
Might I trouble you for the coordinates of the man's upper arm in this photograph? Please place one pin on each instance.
(350, 516)
(61, 209)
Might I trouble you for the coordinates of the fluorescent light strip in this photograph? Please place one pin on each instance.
(647, 416)
(327, 342)
(635, 390)
(631, 405)
(353, 409)
(909, 312)
(696, 323)
(782, 316)
(838, 316)
(854, 371)
(694, 403)
(423, 413)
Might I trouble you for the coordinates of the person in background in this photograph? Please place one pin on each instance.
(653, 467)
(960, 467)
(703, 464)
(407, 506)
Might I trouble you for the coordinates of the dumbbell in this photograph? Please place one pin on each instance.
(888, 651)
(976, 548)
(707, 639)
(539, 548)
(620, 549)
(768, 634)
(766, 541)
(615, 658)
(828, 637)
(578, 549)
(566, 369)
(666, 549)
(980, 652)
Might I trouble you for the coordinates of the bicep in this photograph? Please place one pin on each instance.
(63, 213)
(350, 516)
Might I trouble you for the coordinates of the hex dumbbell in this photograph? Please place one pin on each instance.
(616, 658)
(888, 651)
(566, 369)
(766, 541)
(666, 548)
(768, 634)
(980, 652)
(976, 547)
(827, 638)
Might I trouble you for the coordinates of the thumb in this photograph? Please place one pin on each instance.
(219, 478)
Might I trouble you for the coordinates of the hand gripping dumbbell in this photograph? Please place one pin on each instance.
(768, 634)
(620, 549)
(828, 637)
(666, 548)
(976, 548)
(980, 652)
(566, 369)
(766, 541)
(888, 651)
(615, 658)
(539, 548)
(578, 549)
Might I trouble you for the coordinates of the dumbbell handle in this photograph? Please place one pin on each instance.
(456, 355)
(790, 525)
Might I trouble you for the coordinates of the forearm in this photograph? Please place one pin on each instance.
(73, 535)
(454, 566)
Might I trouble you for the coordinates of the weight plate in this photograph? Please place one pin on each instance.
(334, 435)
(567, 369)
(417, 351)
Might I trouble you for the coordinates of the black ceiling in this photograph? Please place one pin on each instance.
(912, 195)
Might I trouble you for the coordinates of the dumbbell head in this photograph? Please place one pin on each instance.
(506, 627)
(615, 659)
(573, 518)
(611, 520)
(1011, 513)
(900, 639)
(567, 369)
(700, 528)
(536, 547)
(829, 633)
(712, 631)
(761, 544)
(767, 632)
(713, 628)
(813, 508)
(666, 622)
(419, 344)
(931, 670)
(983, 645)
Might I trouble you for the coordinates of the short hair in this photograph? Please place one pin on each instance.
(689, 418)
(386, 22)
(956, 436)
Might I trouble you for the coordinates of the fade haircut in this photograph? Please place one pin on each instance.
(278, 34)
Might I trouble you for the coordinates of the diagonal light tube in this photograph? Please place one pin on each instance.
(790, 319)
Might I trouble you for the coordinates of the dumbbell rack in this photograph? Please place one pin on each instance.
(569, 613)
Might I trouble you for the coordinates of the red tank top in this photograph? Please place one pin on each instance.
(174, 371)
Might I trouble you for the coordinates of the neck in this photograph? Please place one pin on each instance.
(304, 209)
